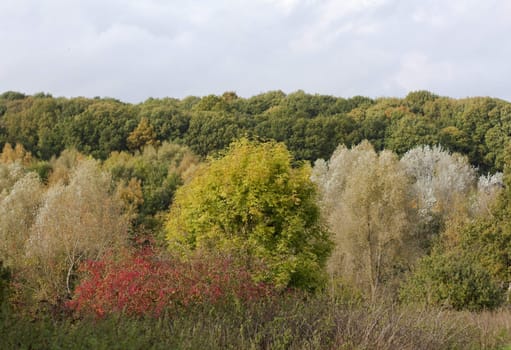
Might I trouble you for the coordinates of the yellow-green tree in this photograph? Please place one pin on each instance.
(253, 203)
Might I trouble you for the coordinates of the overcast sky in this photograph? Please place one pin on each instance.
(135, 49)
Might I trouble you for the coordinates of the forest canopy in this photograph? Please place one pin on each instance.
(311, 126)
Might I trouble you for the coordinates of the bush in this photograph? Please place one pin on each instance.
(143, 284)
(453, 280)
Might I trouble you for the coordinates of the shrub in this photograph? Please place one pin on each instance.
(453, 280)
(143, 284)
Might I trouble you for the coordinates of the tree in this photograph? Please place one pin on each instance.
(142, 135)
(409, 131)
(101, 129)
(75, 222)
(252, 202)
(440, 180)
(469, 267)
(212, 131)
(365, 200)
(156, 172)
(167, 117)
(416, 100)
(489, 237)
(20, 196)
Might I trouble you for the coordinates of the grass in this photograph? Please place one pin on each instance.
(287, 323)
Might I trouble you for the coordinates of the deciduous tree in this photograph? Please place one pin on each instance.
(365, 199)
(253, 202)
(78, 221)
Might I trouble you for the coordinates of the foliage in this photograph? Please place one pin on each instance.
(440, 178)
(103, 127)
(416, 100)
(213, 131)
(20, 196)
(289, 322)
(18, 153)
(145, 285)
(489, 237)
(248, 223)
(156, 172)
(410, 130)
(5, 279)
(469, 267)
(142, 135)
(454, 279)
(252, 202)
(310, 125)
(77, 221)
(12, 95)
(364, 196)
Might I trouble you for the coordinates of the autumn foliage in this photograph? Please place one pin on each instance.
(144, 284)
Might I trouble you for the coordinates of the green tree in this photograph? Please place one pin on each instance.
(12, 95)
(475, 120)
(456, 280)
(408, 131)
(416, 100)
(213, 131)
(254, 203)
(101, 129)
(158, 171)
(489, 237)
(167, 117)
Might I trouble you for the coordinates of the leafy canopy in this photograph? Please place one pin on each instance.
(254, 203)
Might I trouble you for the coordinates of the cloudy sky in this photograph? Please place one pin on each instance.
(135, 49)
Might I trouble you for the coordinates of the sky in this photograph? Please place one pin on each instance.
(135, 49)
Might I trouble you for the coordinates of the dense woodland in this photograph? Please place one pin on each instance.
(275, 221)
(311, 126)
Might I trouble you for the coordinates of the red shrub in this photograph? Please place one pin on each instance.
(142, 284)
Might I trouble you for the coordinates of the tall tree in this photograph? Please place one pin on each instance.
(78, 221)
(365, 199)
(441, 180)
(20, 196)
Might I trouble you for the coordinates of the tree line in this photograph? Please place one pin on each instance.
(311, 126)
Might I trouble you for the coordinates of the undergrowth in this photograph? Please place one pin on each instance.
(289, 322)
